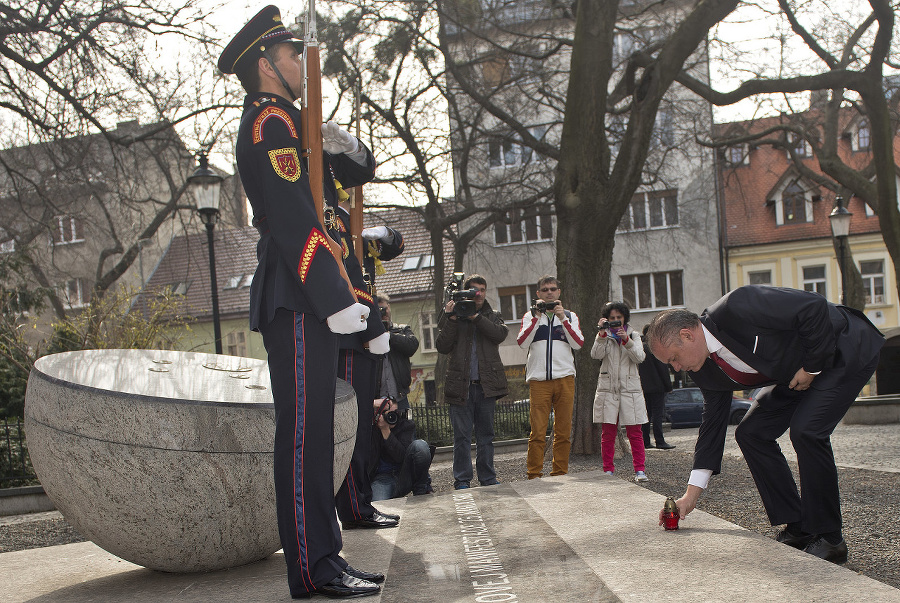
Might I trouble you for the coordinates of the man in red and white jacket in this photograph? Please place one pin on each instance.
(550, 333)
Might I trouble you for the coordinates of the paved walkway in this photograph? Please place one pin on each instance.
(581, 537)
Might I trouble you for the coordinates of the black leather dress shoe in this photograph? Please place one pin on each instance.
(798, 541)
(373, 521)
(390, 515)
(376, 578)
(345, 586)
(665, 446)
(821, 548)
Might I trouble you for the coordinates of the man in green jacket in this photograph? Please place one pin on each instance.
(475, 380)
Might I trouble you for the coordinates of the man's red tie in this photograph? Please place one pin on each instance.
(738, 376)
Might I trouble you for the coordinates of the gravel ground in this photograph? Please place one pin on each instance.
(870, 501)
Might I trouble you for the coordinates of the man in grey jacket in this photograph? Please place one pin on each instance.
(475, 380)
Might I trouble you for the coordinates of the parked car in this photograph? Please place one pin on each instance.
(684, 408)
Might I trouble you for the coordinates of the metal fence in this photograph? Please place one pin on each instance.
(15, 466)
(433, 422)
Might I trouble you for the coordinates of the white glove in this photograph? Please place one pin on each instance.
(381, 344)
(337, 140)
(373, 233)
(351, 319)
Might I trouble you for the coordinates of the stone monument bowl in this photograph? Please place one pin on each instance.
(165, 458)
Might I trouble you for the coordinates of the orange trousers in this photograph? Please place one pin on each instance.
(557, 395)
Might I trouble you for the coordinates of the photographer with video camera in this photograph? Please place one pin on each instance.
(399, 461)
(395, 375)
(470, 332)
(550, 333)
(619, 398)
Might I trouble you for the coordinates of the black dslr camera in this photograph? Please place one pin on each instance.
(540, 305)
(464, 299)
(390, 416)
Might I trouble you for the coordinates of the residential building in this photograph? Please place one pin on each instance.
(776, 227)
(667, 248)
(100, 207)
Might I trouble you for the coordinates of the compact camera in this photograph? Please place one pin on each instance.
(391, 417)
(464, 299)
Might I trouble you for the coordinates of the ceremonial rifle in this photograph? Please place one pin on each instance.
(356, 204)
(311, 130)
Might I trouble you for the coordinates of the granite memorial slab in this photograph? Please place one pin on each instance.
(164, 458)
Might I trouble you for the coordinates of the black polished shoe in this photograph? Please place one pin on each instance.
(388, 515)
(821, 548)
(373, 521)
(798, 541)
(665, 446)
(376, 578)
(345, 586)
(649, 445)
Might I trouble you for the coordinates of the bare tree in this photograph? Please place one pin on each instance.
(85, 191)
(848, 75)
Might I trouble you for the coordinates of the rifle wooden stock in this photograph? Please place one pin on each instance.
(311, 138)
(356, 223)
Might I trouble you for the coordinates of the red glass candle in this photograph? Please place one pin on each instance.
(670, 515)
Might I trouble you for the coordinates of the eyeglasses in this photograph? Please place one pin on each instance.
(546, 289)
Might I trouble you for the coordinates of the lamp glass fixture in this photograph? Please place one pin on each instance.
(840, 219)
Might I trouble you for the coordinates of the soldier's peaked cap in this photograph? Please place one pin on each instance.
(265, 30)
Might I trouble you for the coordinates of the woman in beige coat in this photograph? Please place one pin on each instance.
(619, 398)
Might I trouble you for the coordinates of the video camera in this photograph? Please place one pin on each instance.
(612, 324)
(391, 417)
(464, 299)
(539, 305)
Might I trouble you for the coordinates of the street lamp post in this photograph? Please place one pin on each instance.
(840, 229)
(206, 184)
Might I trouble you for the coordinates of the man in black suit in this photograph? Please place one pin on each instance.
(814, 358)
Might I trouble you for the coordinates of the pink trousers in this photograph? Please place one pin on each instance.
(608, 445)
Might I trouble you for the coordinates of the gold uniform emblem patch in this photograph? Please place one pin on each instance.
(286, 163)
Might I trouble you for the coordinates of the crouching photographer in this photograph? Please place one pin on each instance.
(400, 463)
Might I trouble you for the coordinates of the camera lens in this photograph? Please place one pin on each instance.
(391, 417)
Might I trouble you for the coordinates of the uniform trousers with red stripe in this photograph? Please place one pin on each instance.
(354, 499)
(302, 364)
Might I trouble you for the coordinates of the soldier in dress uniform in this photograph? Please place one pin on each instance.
(298, 301)
(359, 355)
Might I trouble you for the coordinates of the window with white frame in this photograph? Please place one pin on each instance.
(863, 138)
(236, 343)
(656, 209)
(76, 293)
(800, 145)
(513, 302)
(66, 229)
(872, 272)
(664, 129)
(793, 205)
(507, 151)
(238, 281)
(759, 277)
(429, 329)
(524, 226)
(814, 279)
(738, 154)
(653, 290)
